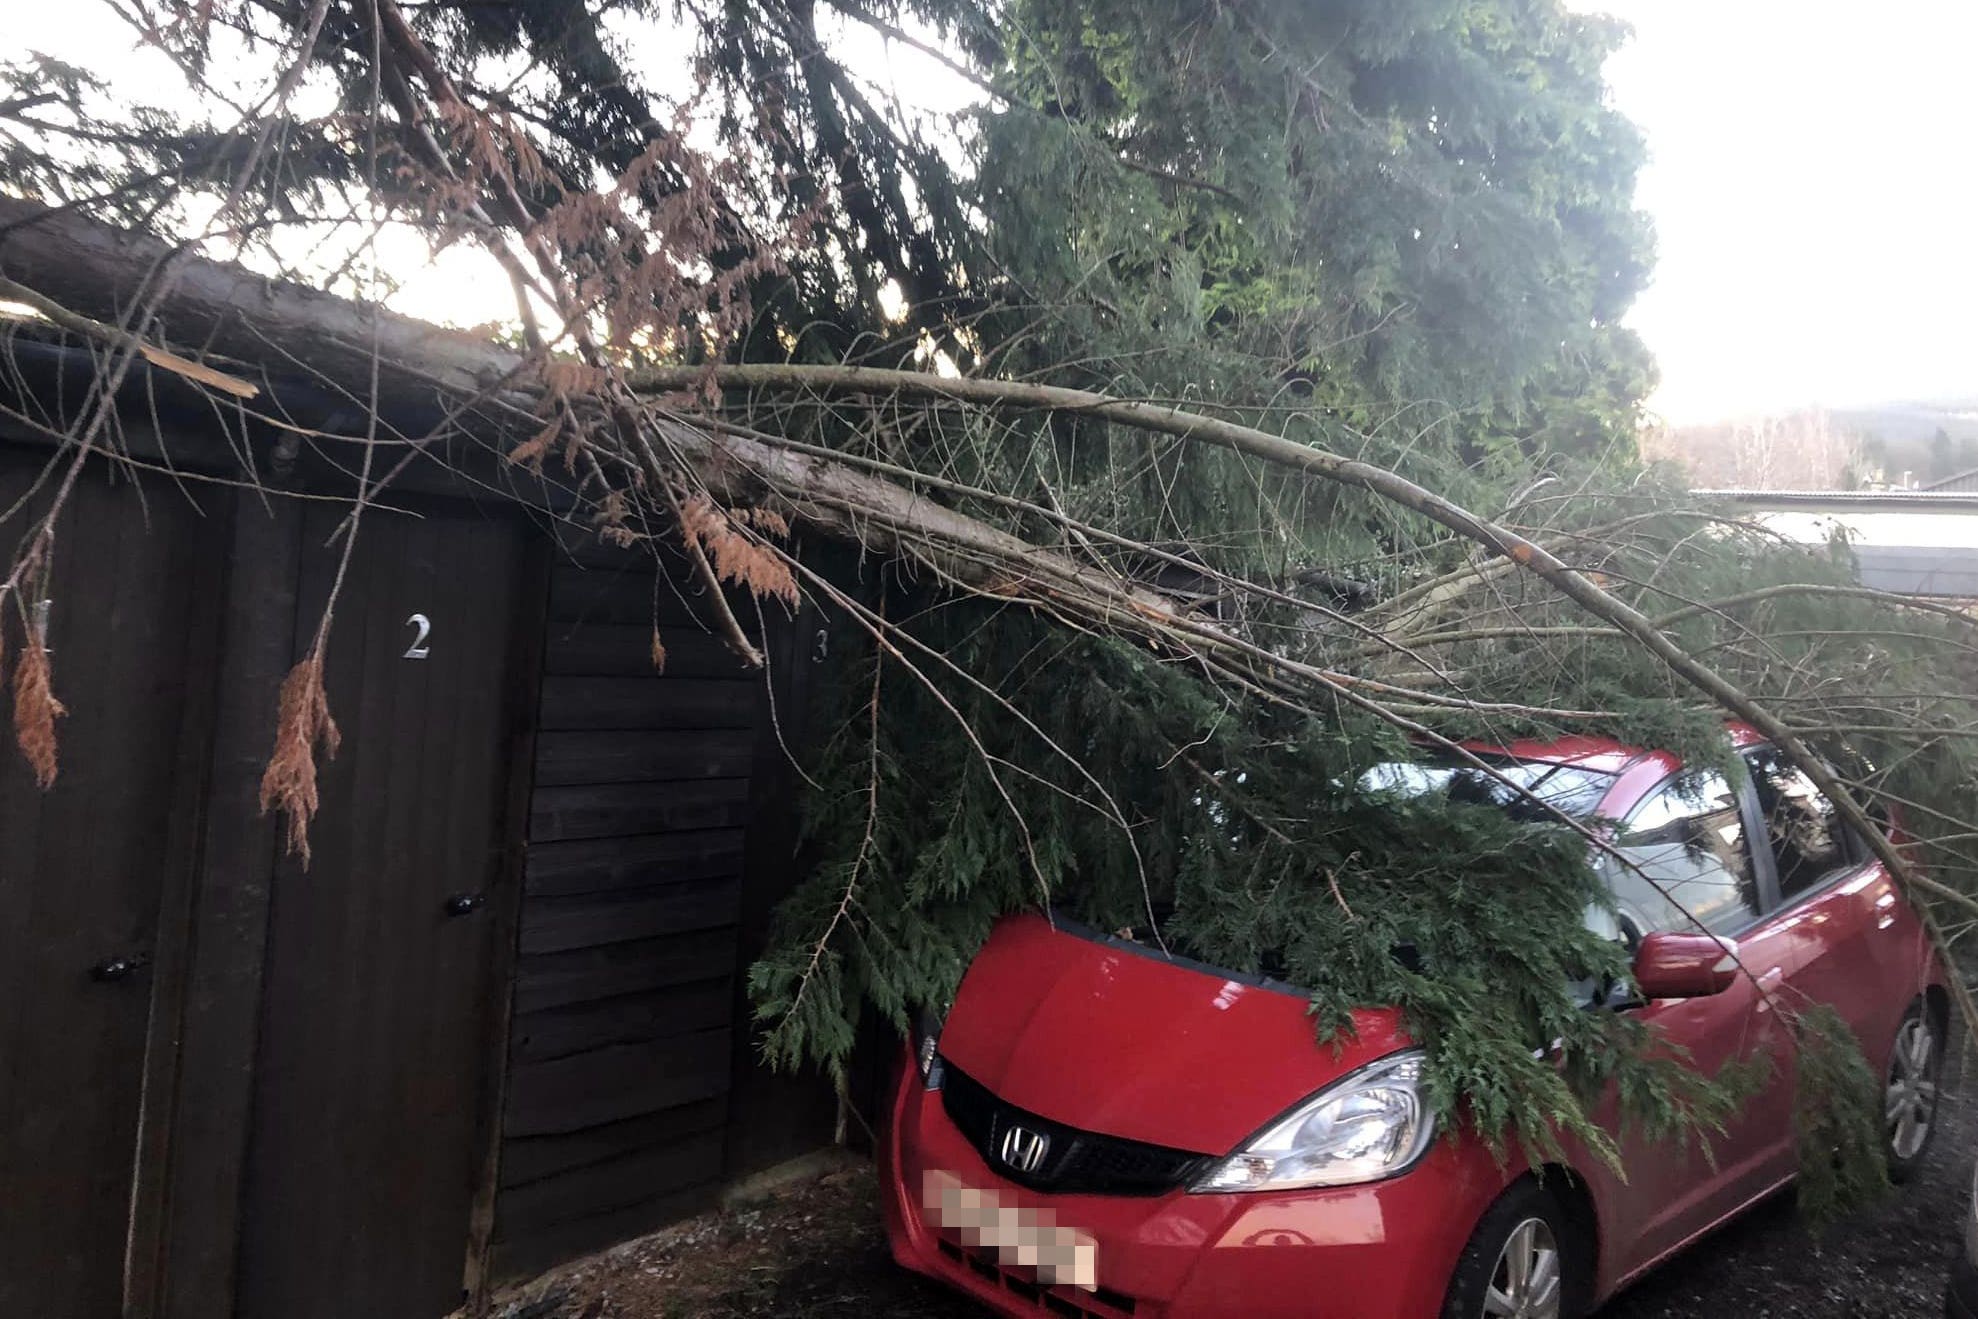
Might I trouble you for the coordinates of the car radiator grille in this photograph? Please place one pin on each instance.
(1075, 1161)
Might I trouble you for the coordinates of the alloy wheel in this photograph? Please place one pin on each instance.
(1526, 1282)
(1910, 1103)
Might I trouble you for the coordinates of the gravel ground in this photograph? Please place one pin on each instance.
(816, 1251)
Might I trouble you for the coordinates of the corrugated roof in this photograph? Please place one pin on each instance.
(1914, 501)
(1958, 481)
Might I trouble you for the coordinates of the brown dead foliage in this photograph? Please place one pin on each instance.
(529, 453)
(766, 519)
(738, 559)
(302, 722)
(35, 713)
(658, 653)
(563, 378)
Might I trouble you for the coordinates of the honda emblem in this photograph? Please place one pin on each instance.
(1023, 1150)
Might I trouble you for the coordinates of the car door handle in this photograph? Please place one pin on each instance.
(1767, 981)
(1886, 904)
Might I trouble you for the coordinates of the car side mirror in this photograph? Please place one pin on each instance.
(1671, 965)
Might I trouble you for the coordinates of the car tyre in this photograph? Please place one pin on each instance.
(1525, 1260)
(1912, 1088)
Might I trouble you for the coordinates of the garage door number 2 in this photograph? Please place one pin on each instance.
(419, 649)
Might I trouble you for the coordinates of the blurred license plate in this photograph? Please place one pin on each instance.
(1017, 1236)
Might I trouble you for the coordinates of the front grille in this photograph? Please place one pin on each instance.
(1075, 1162)
(1103, 1303)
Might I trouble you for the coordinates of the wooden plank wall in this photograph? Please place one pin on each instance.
(624, 1025)
(659, 838)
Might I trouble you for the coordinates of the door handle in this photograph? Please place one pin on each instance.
(465, 904)
(121, 967)
(1767, 981)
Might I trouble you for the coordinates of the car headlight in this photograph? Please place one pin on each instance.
(927, 1047)
(1971, 1223)
(1365, 1126)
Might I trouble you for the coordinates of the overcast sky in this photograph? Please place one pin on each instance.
(1812, 184)
(1814, 192)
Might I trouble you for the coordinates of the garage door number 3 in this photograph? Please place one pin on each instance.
(419, 649)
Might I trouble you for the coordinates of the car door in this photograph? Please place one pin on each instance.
(1684, 862)
(1855, 942)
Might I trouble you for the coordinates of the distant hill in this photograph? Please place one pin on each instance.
(1899, 443)
(1905, 423)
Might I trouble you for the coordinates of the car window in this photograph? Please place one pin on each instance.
(1570, 789)
(1683, 855)
(1800, 823)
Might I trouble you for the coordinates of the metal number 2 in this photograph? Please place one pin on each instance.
(419, 649)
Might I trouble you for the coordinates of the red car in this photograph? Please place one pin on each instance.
(1099, 1129)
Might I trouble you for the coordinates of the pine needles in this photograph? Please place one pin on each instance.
(1837, 1119)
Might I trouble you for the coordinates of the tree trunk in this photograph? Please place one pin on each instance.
(215, 307)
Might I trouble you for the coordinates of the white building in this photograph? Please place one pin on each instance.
(1919, 542)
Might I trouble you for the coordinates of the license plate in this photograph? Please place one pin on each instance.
(1017, 1236)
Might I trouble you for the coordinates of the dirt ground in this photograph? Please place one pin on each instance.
(816, 1251)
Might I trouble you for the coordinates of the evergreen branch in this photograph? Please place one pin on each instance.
(894, 32)
(865, 841)
(1390, 485)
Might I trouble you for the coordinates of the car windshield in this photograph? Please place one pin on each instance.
(1572, 789)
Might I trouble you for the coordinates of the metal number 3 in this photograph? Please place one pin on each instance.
(419, 649)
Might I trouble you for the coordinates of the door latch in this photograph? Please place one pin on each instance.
(120, 967)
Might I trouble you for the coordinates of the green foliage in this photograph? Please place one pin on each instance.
(1837, 1112)
(1419, 209)
(1251, 845)
(1402, 232)
(66, 139)
(1110, 782)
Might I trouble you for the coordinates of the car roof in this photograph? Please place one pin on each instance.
(1603, 755)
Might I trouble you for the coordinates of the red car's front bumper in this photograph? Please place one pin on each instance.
(1381, 1251)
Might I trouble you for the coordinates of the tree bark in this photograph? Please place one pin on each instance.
(94, 269)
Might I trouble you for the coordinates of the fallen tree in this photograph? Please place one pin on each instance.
(1135, 657)
(236, 316)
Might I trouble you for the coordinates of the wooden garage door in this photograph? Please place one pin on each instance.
(83, 867)
(364, 1147)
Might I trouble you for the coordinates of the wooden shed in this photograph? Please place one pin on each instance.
(497, 1020)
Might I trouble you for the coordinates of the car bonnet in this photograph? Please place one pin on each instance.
(1112, 1036)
